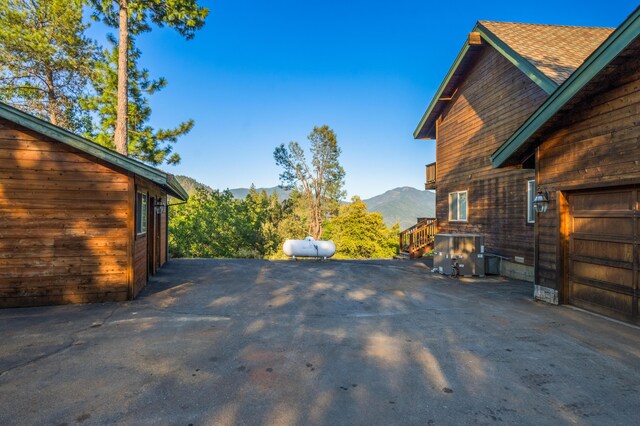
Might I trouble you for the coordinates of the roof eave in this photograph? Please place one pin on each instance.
(175, 189)
(78, 142)
(425, 128)
(418, 133)
(596, 62)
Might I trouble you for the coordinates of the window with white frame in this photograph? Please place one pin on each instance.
(141, 213)
(531, 194)
(458, 206)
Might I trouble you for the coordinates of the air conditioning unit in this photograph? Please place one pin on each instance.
(466, 251)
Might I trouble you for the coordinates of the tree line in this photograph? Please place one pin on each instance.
(215, 224)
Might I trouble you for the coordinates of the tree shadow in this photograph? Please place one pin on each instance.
(217, 341)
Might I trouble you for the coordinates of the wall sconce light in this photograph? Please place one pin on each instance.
(541, 201)
(159, 207)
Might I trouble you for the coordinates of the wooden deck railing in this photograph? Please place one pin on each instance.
(415, 241)
(430, 182)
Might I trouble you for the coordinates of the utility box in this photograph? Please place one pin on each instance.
(491, 264)
(465, 250)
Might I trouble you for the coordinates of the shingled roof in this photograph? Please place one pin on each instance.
(547, 54)
(556, 50)
(591, 73)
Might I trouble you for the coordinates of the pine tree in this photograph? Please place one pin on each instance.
(133, 17)
(144, 142)
(46, 60)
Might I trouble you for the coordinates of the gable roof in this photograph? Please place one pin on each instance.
(519, 142)
(162, 179)
(526, 46)
(556, 50)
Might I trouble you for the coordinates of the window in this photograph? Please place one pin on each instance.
(458, 206)
(141, 213)
(531, 194)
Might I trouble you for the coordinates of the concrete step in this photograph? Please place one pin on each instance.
(402, 256)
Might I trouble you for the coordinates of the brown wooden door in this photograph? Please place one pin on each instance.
(158, 223)
(604, 252)
(151, 236)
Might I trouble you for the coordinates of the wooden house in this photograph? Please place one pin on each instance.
(78, 222)
(584, 142)
(503, 73)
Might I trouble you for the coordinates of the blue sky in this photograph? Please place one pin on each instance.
(261, 73)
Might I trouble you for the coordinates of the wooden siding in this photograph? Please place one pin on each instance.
(163, 233)
(602, 255)
(64, 223)
(150, 248)
(592, 144)
(491, 103)
(140, 272)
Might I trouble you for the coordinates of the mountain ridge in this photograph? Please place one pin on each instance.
(402, 205)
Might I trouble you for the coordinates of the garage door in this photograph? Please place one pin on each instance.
(603, 252)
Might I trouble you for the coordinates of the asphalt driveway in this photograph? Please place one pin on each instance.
(253, 342)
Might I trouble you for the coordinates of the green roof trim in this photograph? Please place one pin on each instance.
(511, 55)
(443, 85)
(516, 59)
(599, 59)
(59, 134)
(179, 191)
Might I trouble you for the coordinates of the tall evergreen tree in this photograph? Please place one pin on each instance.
(135, 17)
(144, 142)
(46, 60)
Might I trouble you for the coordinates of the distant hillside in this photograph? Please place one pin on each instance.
(191, 185)
(241, 193)
(403, 205)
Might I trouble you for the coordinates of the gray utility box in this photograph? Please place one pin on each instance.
(491, 264)
(467, 250)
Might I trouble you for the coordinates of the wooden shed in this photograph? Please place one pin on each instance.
(78, 222)
(586, 143)
(502, 74)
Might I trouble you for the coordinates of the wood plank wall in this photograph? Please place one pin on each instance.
(163, 233)
(142, 254)
(140, 272)
(64, 223)
(595, 142)
(491, 103)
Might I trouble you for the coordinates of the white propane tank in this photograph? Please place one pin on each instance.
(309, 248)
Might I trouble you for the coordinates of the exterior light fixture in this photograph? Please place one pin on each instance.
(159, 207)
(541, 201)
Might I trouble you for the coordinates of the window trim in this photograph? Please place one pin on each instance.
(531, 193)
(466, 210)
(142, 213)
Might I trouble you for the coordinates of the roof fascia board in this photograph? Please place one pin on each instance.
(61, 135)
(444, 83)
(177, 189)
(537, 76)
(516, 59)
(595, 63)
